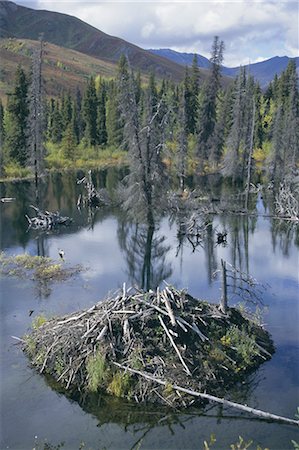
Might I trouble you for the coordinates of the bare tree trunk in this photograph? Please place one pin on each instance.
(223, 300)
(250, 157)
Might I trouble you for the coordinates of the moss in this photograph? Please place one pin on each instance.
(168, 390)
(38, 321)
(30, 344)
(49, 272)
(97, 371)
(120, 385)
(59, 365)
(40, 356)
(41, 269)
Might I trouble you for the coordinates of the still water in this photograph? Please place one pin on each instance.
(113, 251)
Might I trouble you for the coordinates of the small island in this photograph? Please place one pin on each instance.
(152, 346)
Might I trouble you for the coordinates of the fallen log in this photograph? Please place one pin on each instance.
(256, 412)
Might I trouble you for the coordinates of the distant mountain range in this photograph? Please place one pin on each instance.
(263, 71)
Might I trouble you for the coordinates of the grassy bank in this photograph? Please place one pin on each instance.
(56, 160)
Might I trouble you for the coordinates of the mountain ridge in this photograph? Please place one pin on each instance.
(263, 71)
(70, 32)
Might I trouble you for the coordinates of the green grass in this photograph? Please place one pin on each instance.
(97, 371)
(85, 157)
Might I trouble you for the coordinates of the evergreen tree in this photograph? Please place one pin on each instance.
(291, 124)
(113, 120)
(208, 107)
(232, 158)
(16, 142)
(194, 91)
(55, 122)
(66, 110)
(90, 109)
(69, 143)
(75, 122)
(101, 116)
(188, 101)
(78, 103)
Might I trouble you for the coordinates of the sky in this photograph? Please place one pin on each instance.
(252, 30)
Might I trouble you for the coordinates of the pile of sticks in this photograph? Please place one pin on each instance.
(166, 334)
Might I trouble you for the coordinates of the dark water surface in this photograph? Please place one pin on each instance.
(115, 251)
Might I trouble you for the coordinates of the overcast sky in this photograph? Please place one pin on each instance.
(252, 30)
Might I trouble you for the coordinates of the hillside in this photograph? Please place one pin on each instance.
(263, 71)
(63, 69)
(67, 31)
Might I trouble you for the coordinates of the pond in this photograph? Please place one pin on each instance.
(114, 250)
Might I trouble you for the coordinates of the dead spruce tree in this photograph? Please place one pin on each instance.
(144, 136)
(36, 116)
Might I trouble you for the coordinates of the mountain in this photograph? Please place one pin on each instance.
(66, 31)
(184, 59)
(263, 71)
(63, 69)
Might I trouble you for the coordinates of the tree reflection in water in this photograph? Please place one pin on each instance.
(145, 253)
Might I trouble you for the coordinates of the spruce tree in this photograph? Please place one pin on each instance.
(16, 142)
(101, 115)
(90, 110)
(69, 143)
(114, 125)
(207, 116)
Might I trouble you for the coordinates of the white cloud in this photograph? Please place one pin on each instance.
(250, 29)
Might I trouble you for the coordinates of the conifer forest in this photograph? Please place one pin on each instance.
(194, 126)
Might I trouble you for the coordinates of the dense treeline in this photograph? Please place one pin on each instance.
(206, 128)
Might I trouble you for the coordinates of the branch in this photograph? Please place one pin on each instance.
(257, 412)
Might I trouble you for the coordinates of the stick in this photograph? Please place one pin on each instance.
(18, 339)
(212, 398)
(169, 309)
(102, 333)
(193, 327)
(174, 345)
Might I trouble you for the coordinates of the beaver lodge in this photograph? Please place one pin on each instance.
(142, 345)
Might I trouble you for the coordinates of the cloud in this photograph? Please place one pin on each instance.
(251, 29)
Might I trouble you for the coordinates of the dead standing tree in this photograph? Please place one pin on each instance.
(92, 198)
(36, 117)
(244, 286)
(144, 135)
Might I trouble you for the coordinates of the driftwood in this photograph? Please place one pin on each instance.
(46, 220)
(204, 395)
(166, 333)
(7, 199)
(286, 205)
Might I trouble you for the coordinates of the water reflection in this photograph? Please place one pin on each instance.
(145, 253)
(117, 249)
